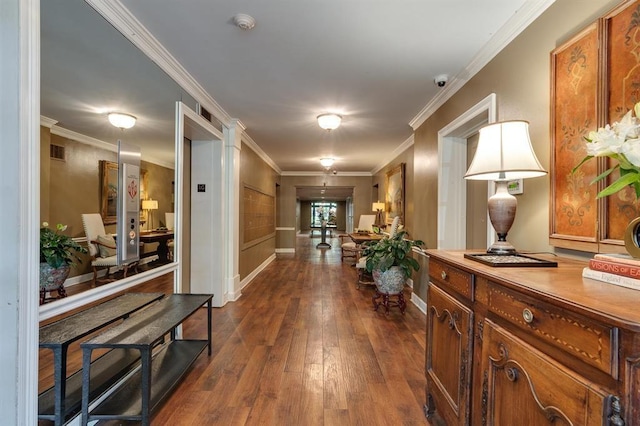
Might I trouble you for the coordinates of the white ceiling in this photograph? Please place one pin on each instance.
(372, 61)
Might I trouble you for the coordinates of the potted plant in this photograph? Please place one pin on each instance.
(390, 263)
(57, 253)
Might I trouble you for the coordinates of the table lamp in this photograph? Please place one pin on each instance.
(378, 208)
(149, 206)
(504, 153)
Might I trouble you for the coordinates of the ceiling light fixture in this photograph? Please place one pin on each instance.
(326, 162)
(121, 120)
(244, 21)
(329, 121)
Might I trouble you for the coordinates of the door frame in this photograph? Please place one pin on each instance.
(452, 158)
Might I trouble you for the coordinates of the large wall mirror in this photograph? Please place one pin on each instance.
(87, 70)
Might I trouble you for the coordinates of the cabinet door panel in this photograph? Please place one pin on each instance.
(523, 386)
(448, 356)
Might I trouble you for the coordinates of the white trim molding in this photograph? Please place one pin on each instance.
(520, 20)
(338, 174)
(420, 304)
(247, 280)
(408, 143)
(286, 250)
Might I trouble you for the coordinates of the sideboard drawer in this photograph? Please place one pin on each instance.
(451, 277)
(592, 342)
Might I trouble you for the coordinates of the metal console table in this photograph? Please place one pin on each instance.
(63, 400)
(162, 366)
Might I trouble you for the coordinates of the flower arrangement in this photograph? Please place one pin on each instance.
(57, 249)
(621, 142)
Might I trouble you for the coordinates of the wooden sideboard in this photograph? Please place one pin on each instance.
(529, 345)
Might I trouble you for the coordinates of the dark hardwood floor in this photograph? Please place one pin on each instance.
(302, 346)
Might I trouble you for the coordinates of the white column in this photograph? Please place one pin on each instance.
(19, 215)
(232, 147)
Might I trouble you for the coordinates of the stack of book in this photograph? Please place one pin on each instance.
(617, 269)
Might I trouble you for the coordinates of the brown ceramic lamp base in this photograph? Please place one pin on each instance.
(502, 212)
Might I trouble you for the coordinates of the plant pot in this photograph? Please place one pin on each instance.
(632, 238)
(53, 279)
(390, 281)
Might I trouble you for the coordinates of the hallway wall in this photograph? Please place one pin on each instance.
(520, 77)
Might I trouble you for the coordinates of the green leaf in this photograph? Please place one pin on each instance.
(624, 180)
(584, 160)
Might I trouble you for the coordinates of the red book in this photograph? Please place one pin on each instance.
(615, 267)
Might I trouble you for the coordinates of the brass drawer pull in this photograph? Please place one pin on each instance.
(527, 315)
(443, 274)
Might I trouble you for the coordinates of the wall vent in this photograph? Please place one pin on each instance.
(200, 110)
(56, 152)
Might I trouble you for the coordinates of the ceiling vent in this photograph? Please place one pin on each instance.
(56, 152)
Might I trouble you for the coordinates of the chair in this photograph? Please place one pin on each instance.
(102, 247)
(169, 219)
(349, 249)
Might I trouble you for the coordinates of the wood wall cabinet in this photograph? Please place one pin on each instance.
(534, 346)
(594, 79)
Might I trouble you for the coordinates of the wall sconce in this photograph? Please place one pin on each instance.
(329, 121)
(504, 153)
(121, 120)
(149, 206)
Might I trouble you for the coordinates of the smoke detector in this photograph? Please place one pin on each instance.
(244, 21)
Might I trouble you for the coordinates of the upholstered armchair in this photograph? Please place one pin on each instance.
(102, 247)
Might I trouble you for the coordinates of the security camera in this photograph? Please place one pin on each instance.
(441, 80)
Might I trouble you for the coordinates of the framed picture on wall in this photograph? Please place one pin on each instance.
(109, 192)
(395, 193)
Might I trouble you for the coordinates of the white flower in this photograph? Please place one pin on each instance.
(621, 142)
(45, 224)
(631, 150)
(604, 142)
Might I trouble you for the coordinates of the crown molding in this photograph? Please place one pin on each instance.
(255, 148)
(339, 174)
(127, 24)
(520, 20)
(399, 150)
(47, 122)
(88, 140)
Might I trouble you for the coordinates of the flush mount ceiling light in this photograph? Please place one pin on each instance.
(122, 121)
(244, 21)
(326, 162)
(329, 121)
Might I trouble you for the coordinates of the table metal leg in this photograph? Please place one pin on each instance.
(60, 383)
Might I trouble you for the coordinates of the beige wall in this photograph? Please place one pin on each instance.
(381, 180)
(291, 212)
(520, 77)
(72, 187)
(257, 174)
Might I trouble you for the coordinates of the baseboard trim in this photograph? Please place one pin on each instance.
(420, 304)
(286, 250)
(247, 280)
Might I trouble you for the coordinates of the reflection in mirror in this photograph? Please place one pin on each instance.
(87, 70)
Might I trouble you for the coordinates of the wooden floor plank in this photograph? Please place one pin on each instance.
(301, 346)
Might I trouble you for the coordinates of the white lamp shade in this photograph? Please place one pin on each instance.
(150, 204)
(123, 121)
(329, 121)
(504, 153)
(326, 162)
(377, 206)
